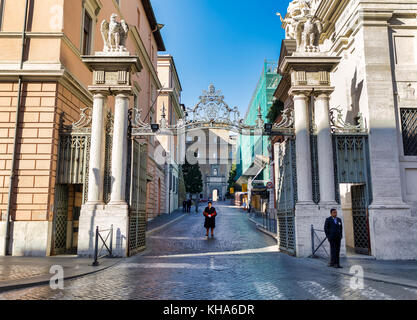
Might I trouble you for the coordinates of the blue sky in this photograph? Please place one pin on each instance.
(223, 42)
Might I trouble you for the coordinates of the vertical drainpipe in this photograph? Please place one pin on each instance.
(18, 105)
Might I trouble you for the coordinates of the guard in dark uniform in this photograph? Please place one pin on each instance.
(334, 232)
(210, 221)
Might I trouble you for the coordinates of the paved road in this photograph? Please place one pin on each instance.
(240, 263)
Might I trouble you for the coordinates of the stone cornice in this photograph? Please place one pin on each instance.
(144, 56)
(61, 76)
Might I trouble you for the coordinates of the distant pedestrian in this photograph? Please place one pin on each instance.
(189, 205)
(334, 232)
(184, 206)
(210, 221)
(245, 204)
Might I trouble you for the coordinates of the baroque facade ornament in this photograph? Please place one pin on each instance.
(84, 123)
(339, 125)
(212, 108)
(114, 34)
(301, 25)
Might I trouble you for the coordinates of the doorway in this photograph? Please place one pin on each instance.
(355, 212)
(68, 199)
(215, 196)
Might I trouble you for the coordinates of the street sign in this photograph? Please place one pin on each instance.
(270, 185)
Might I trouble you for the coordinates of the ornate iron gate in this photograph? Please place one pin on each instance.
(287, 196)
(351, 158)
(360, 220)
(137, 197)
(107, 159)
(61, 219)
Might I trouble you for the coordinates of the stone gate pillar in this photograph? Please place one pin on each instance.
(310, 76)
(119, 155)
(96, 167)
(325, 148)
(112, 75)
(302, 134)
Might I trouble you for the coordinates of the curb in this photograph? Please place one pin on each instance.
(35, 283)
(259, 227)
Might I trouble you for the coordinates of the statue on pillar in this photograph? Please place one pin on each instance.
(301, 25)
(114, 34)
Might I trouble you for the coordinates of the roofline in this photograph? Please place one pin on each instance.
(173, 63)
(150, 14)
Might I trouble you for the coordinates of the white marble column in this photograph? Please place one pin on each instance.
(96, 170)
(324, 149)
(119, 154)
(303, 152)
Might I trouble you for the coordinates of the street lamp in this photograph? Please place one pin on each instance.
(154, 127)
(268, 128)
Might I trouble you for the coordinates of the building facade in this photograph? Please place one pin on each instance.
(170, 107)
(253, 169)
(349, 88)
(45, 115)
(215, 149)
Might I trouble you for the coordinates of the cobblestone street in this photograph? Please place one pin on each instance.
(240, 263)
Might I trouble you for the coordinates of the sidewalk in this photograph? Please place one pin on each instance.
(23, 272)
(402, 273)
(165, 220)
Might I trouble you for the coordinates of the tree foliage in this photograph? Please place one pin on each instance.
(276, 109)
(232, 180)
(193, 178)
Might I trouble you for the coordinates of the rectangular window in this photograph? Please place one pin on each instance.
(87, 31)
(409, 132)
(1, 13)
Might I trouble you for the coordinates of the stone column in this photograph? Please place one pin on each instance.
(303, 152)
(119, 155)
(324, 149)
(96, 170)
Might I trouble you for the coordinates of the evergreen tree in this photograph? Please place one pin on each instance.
(193, 178)
(232, 180)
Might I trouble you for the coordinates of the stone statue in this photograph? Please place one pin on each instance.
(300, 25)
(114, 34)
(308, 34)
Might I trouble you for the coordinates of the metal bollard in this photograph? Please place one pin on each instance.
(96, 263)
(111, 242)
(312, 240)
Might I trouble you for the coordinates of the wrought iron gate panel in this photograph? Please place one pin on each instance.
(137, 198)
(360, 220)
(315, 168)
(409, 131)
(287, 196)
(73, 160)
(61, 219)
(108, 158)
(73, 152)
(351, 160)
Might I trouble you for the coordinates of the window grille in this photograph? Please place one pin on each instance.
(409, 131)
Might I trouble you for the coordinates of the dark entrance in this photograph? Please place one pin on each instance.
(360, 219)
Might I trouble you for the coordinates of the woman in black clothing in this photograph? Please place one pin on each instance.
(210, 222)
